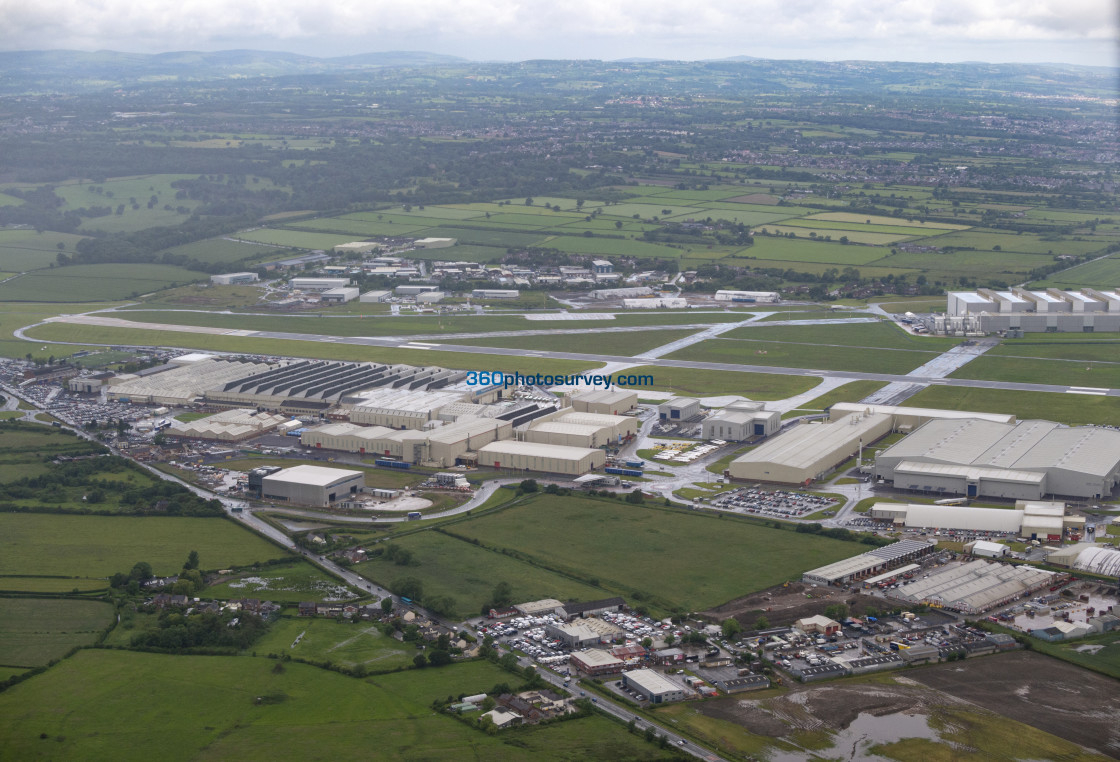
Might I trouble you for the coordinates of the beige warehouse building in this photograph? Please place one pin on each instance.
(910, 418)
(312, 485)
(809, 451)
(438, 446)
(546, 458)
(622, 426)
(569, 434)
(605, 402)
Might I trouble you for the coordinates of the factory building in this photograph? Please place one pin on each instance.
(1025, 460)
(737, 425)
(655, 303)
(809, 451)
(621, 426)
(434, 243)
(657, 688)
(1021, 310)
(546, 458)
(414, 289)
(602, 266)
(1088, 557)
(232, 426)
(869, 564)
(90, 384)
(573, 635)
(312, 485)
(180, 385)
(621, 293)
(495, 293)
(375, 297)
(440, 446)
(400, 408)
(233, 279)
(357, 247)
(678, 409)
(604, 402)
(906, 419)
(976, 586)
(318, 285)
(346, 437)
(568, 434)
(1030, 519)
(749, 297)
(339, 295)
(594, 661)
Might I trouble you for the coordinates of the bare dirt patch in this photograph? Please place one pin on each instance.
(785, 605)
(1060, 698)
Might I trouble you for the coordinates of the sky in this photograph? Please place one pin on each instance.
(1026, 31)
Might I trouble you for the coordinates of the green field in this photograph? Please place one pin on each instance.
(293, 238)
(206, 707)
(221, 250)
(27, 249)
(1034, 370)
(1064, 408)
(33, 631)
(92, 547)
(89, 334)
(624, 343)
(663, 554)
(705, 383)
(450, 567)
(87, 283)
(1091, 274)
(122, 191)
(346, 644)
(284, 584)
(802, 249)
(782, 354)
(853, 391)
(1070, 346)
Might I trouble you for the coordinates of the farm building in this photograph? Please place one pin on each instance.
(657, 688)
(750, 297)
(233, 279)
(604, 402)
(339, 295)
(594, 661)
(1050, 311)
(809, 451)
(546, 458)
(1024, 460)
(678, 409)
(312, 485)
(740, 425)
(357, 247)
(375, 296)
(318, 285)
(434, 243)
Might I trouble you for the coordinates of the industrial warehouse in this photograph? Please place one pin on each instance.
(976, 586)
(1030, 519)
(865, 565)
(1026, 460)
(311, 485)
(1023, 311)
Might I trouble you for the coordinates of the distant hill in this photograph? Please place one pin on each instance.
(75, 70)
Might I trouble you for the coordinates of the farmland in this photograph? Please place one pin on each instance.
(289, 583)
(654, 556)
(34, 631)
(88, 283)
(95, 547)
(310, 712)
(347, 644)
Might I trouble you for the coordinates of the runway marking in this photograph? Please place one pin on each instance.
(1087, 390)
(418, 345)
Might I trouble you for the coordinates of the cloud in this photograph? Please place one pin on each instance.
(658, 27)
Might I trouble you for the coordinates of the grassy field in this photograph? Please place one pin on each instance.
(347, 644)
(33, 631)
(1042, 371)
(309, 714)
(662, 554)
(88, 547)
(852, 391)
(787, 355)
(122, 191)
(624, 343)
(880, 335)
(704, 383)
(283, 584)
(1064, 408)
(468, 573)
(293, 348)
(26, 249)
(88, 283)
(1079, 346)
(221, 250)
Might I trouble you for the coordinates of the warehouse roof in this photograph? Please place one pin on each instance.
(606, 396)
(964, 517)
(592, 419)
(316, 476)
(652, 683)
(843, 408)
(970, 472)
(845, 567)
(803, 446)
(594, 657)
(738, 416)
(900, 549)
(562, 427)
(538, 450)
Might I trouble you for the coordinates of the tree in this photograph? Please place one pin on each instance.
(528, 485)
(409, 587)
(761, 623)
(439, 658)
(647, 642)
(837, 611)
(670, 639)
(192, 560)
(386, 605)
(420, 661)
(731, 627)
(503, 594)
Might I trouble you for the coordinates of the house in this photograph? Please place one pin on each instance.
(308, 608)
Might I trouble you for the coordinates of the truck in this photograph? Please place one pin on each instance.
(622, 471)
(413, 515)
(633, 463)
(392, 464)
